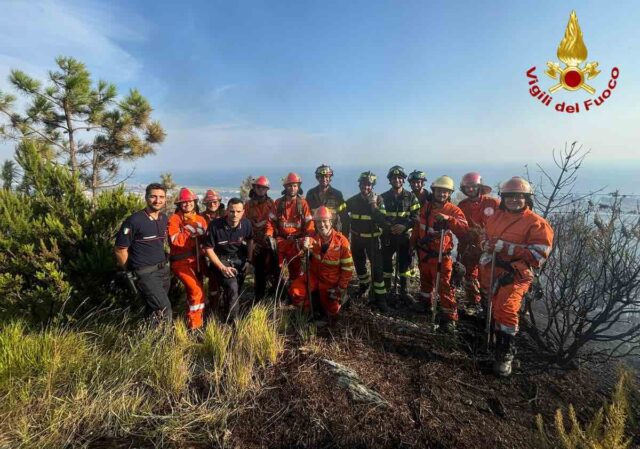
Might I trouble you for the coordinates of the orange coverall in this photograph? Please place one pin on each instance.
(427, 241)
(183, 233)
(477, 211)
(288, 224)
(257, 211)
(522, 241)
(329, 273)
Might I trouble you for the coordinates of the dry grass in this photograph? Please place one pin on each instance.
(68, 387)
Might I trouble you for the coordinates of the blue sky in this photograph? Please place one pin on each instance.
(297, 83)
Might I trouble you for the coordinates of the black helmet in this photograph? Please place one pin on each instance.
(367, 176)
(417, 175)
(396, 170)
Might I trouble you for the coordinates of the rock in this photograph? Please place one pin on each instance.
(349, 379)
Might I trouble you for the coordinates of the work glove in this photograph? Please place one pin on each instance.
(372, 198)
(441, 222)
(192, 230)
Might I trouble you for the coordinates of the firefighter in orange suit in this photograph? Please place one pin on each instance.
(437, 215)
(186, 231)
(290, 220)
(478, 206)
(331, 266)
(257, 210)
(214, 207)
(521, 241)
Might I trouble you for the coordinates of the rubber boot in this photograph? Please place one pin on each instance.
(505, 353)
(405, 296)
(381, 303)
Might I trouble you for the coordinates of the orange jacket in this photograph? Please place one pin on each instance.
(181, 231)
(285, 220)
(334, 268)
(424, 236)
(257, 211)
(479, 210)
(524, 236)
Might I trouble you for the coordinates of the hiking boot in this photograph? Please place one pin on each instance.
(421, 307)
(362, 290)
(505, 353)
(381, 303)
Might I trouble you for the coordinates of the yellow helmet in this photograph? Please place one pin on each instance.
(444, 182)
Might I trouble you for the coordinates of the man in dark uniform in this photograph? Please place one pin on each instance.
(416, 180)
(325, 195)
(364, 218)
(229, 247)
(140, 248)
(402, 209)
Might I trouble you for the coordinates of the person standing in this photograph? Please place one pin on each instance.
(416, 180)
(213, 205)
(186, 235)
(521, 241)
(229, 247)
(139, 247)
(402, 208)
(257, 210)
(325, 195)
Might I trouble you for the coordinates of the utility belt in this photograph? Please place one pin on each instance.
(429, 254)
(366, 235)
(182, 256)
(291, 237)
(150, 268)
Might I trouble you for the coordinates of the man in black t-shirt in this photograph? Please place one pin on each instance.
(139, 247)
(229, 247)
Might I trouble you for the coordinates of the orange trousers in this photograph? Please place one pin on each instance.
(506, 299)
(288, 251)
(299, 297)
(428, 271)
(185, 270)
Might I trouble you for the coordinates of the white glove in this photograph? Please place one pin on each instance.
(199, 229)
(191, 229)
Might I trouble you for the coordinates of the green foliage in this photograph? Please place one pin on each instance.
(69, 109)
(55, 247)
(9, 174)
(245, 188)
(605, 431)
(110, 382)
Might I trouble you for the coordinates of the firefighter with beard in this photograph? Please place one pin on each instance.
(325, 195)
(330, 270)
(290, 221)
(521, 241)
(257, 210)
(213, 203)
(436, 216)
(478, 206)
(365, 219)
(401, 208)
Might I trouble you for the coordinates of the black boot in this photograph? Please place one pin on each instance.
(362, 290)
(381, 303)
(505, 353)
(405, 297)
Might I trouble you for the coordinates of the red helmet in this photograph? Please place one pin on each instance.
(474, 179)
(261, 181)
(322, 213)
(291, 179)
(211, 196)
(185, 195)
(516, 185)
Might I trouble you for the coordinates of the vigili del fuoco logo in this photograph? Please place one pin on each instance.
(572, 74)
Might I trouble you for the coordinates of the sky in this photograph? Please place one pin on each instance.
(286, 84)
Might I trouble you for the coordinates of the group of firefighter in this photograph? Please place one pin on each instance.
(320, 239)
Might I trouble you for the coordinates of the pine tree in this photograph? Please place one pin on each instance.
(70, 106)
(9, 173)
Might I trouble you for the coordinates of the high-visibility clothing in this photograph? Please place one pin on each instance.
(183, 232)
(331, 268)
(257, 211)
(362, 218)
(332, 199)
(522, 241)
(427, 242)
(290, 218)
(402, 208)
(288, 221)
(477, 210)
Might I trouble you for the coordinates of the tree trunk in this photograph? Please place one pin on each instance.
(73, 161)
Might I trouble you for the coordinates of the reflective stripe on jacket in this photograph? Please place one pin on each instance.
(334, 267)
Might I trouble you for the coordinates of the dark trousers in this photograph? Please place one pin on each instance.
(361, 249)
(154, 288)
(398, 245)
(231, 292)
(263, 268)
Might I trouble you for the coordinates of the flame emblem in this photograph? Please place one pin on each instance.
(572, 52)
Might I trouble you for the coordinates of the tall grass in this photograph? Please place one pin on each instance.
(68, 387)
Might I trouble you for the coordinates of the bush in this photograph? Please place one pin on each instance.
(55, 247)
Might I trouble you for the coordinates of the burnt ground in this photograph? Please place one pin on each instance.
(441, 391)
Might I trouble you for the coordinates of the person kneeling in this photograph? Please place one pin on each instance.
(330, 267)
(229, 247)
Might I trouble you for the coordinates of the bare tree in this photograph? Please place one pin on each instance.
(585, 303)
